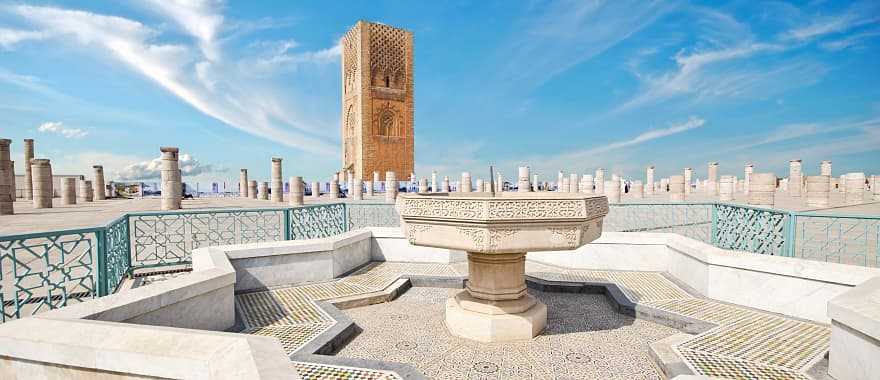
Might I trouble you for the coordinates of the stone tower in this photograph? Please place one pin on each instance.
(377, 100)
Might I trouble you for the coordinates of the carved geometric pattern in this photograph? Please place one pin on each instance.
(504, 209)
(388, 56)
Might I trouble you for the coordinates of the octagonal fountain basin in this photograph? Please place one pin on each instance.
(497, 232)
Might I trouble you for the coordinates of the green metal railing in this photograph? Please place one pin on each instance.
(43, 271)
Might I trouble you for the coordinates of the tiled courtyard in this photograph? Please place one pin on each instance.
(586, 336)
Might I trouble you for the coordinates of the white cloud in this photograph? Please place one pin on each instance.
(10, 37)
(59, 128)
(216, 88)
(568, 33)
(151, 169)
(851, 41)
(200, 18)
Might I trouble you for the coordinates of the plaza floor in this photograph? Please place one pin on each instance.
(585, 338)
(90, 214)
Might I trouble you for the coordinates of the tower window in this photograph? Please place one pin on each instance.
(387, 81)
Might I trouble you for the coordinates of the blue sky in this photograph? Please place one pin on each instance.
(555, 85)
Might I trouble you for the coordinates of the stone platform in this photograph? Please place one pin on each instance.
(711, 338)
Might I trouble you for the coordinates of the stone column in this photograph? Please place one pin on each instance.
(252, 189)
(726, 188)
(349, 182)
(7, 184)
(444, 186)
(170, 171)
(855, 188)
(334, 188)
(712, 180)
(875, 187)
(566, 185)
(818, 187)
(376, 179)
(243, 184)
(85, 191)
(522, 179)
(263, 191)
(100, 188)
(587, 179)
(465, 186)
(795, 178)
(434, 181)
(762, 188)
(600, 181)
(277, 184)
(825, 168)
(499, 183)
(534, 182)
(28, 172)
(637, 189)
(559, 181)
(41, 170)
(480, 186)
(612, 191)
(357, 189)
(297, 191)
(423, 186)
(68, 191)
(749, 169)
(573, 183)
(676, 188)
(391, 187)
(316, 190)
(369, 186)
(649, 174)
(664, 185)
(688, 177)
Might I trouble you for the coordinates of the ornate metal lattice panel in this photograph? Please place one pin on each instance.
(169, 238)
(362, 215)
(693, 220)
(312, 222)
(750, 229)
(853, 240)
(118, 253)
(39, 272)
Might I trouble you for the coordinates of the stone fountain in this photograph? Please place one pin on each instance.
(497, 232)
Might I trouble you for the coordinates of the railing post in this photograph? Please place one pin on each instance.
(714, 238)
(790, 234)
(286, 221)
(345, 217)
(129, 271)
(101, 270)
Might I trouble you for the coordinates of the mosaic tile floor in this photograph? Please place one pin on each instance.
(585, 339)
(745, 344)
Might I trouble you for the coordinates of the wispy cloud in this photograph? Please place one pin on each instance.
(151, 169)
(59, 128)
(796, 131)
(11, 37)
(851, 41)
(214, 87)
(201, 19)
(570, 32)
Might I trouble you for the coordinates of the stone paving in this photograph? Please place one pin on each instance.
(92, 214)
(745, 343)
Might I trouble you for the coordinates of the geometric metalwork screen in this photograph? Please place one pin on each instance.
(168, 238)
(845, 239)
(318, 221)
(693, 220)
(116, 262)
(362, 215)
(39, 272)
(755, 230)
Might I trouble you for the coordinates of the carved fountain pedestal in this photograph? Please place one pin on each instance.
(496, 232)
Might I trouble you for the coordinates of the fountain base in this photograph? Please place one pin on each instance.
(495, 321)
